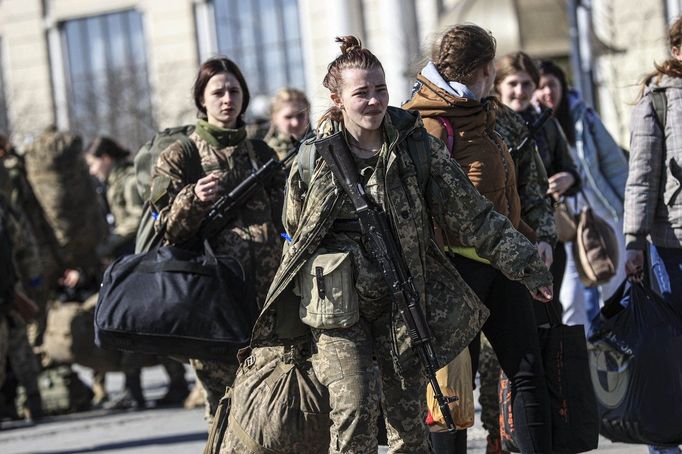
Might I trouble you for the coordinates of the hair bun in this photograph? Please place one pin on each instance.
(348, 43)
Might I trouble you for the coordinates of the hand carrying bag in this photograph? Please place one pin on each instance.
(635, 350)
(573, 405)
(176, 302)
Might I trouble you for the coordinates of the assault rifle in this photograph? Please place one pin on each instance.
(376, 230)
(219, 214)
(532, 131)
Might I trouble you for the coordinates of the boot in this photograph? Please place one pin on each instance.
(34, 405)
(178, 390)
(99, 389)
(494, 446)
(175, 396)
(132, 398)
(196, 398)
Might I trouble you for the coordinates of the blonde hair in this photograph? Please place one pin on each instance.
(288, 95)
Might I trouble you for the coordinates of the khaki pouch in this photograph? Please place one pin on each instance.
(328, 296)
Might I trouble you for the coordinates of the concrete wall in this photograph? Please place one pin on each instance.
(635, 35)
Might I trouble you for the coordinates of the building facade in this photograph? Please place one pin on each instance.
(125, 67)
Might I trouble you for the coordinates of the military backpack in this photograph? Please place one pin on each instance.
(147, 236)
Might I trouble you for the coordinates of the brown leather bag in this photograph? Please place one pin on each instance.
(595, 249)
(566, 222)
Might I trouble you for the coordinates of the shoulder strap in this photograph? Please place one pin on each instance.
(450, 131)
(420, 154)
(306, 157)
(660, 102)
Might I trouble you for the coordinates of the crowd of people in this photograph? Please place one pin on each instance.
(474, 217)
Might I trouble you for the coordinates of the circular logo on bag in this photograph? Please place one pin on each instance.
(610, 376)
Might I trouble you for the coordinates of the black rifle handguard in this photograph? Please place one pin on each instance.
(381, 243)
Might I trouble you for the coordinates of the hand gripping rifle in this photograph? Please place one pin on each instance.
(220, 213)
(532, 131)
(376, 229)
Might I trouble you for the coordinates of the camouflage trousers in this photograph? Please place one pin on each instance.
(356, 366)
(489, 370)
(16, 349)
(214, 376)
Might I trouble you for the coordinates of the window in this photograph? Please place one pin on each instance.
(4, 117)
(106, 76)
(263, 38)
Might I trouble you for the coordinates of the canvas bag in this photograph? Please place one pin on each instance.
(275, 406)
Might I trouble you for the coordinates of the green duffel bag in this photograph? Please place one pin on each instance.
(276, 406)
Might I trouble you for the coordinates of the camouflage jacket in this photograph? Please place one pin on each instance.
(279, 142)
(18, 189)
(455, 313)
(27, 260)
(536, 207)
(124, 199)
(252, 236)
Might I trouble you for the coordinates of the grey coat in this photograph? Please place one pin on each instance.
(602, 165)
(653, 205)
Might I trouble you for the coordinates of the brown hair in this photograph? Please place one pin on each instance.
(463, 49)
(210, 68)
(105, 146)
(514, 63)
(353, 56)
(671, 67)
(288, 95)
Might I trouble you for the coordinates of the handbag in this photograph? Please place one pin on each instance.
(454, 380)
(595, 249)
(565, 220)
(573, 405)
(173, 301)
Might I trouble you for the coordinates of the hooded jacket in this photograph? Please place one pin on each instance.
(477, 147)
(454, 312)
(653, 205)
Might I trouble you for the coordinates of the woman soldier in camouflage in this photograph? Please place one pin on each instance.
(363, 354)
(290, 118)
(227, 158)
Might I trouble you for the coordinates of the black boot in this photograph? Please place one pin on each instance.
(178, 389)
(132, 398)
(34, 403)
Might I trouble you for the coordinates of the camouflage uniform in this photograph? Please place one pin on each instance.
(344, 360)
(14, 345)
(20, 193)
(536, 207)
(252, 235)
(537, 212)
(279, 142)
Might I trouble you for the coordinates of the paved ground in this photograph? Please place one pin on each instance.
(154, 431)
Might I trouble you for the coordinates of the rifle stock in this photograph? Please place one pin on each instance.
(376, 229)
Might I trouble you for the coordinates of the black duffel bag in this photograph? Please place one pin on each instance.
(176, 302)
